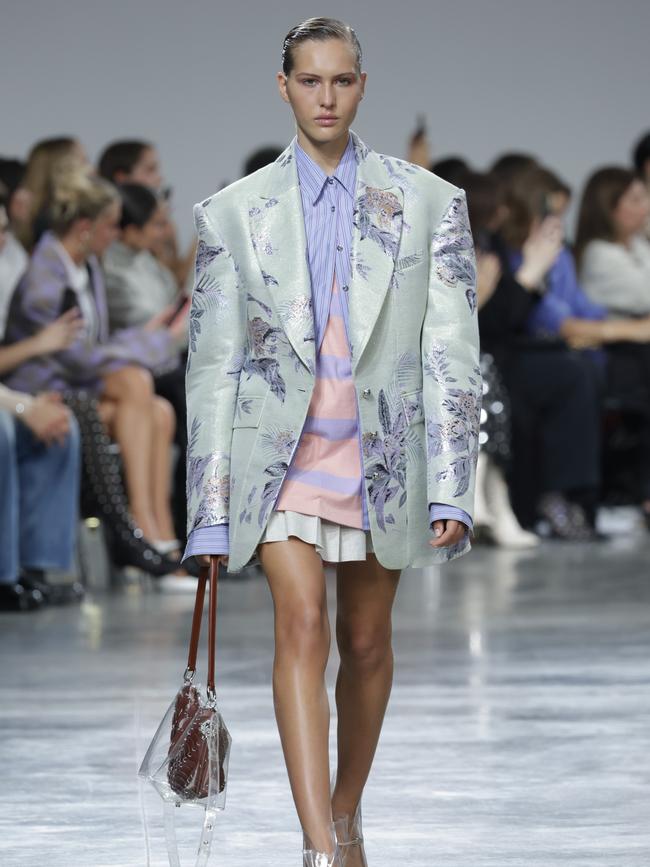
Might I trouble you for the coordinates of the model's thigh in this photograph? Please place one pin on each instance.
(297, 581)
(365, 592)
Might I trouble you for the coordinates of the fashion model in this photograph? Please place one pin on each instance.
(333, 396)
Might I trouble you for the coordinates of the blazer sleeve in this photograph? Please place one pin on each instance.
(452, 386)
(217, 337)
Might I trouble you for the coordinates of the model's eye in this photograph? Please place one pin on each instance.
(345, 81)
(308, 81)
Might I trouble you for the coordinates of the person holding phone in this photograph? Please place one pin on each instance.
(117, 368)
(333, 409)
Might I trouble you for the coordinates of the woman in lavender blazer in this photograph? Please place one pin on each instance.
(334, 299)
(117, 368)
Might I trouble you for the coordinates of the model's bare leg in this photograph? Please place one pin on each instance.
(130, 394)
(164, 425)
(365, 595)
(302, 642)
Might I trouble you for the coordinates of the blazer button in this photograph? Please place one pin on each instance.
(375, 475)
(366, 393)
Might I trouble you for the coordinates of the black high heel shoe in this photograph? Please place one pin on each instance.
(103, 493)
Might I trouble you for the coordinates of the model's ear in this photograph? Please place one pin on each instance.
(282, 86)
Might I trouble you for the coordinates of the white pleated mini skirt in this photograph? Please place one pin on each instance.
(333, 542)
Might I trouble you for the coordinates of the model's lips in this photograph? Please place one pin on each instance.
(326, 120)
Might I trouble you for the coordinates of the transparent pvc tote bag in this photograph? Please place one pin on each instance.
(187, 760)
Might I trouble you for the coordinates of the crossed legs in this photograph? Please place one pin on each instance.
(143, 426)
(365, 594)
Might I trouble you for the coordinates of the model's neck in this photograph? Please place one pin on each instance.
(328, 154)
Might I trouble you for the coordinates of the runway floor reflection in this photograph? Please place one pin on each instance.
(518, 730)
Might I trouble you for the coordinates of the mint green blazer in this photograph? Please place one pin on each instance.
(414, 344)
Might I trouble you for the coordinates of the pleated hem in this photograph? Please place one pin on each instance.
(333, 542)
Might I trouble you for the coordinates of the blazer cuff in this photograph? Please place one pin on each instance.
(207, 540)
(441, 512)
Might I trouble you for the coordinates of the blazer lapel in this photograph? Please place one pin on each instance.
(376, 234)
(278, 236)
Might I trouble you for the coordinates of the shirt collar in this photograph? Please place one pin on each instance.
(312, 178)
(77, 274)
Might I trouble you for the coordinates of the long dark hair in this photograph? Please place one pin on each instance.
(601, 195)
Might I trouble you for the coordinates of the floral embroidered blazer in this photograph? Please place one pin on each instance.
(414, 344)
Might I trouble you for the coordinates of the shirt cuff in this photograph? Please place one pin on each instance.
(441, 512)
(207, 540)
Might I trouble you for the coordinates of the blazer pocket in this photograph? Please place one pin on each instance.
(248, 410)
(413, 405)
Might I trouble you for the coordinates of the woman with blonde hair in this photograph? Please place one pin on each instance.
(117, 368)
(45, 159)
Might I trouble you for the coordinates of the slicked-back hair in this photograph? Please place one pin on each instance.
(319, 29)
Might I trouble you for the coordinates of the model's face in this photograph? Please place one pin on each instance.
(324, 88)
(632, 211)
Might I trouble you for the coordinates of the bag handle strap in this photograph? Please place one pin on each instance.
(210, 572)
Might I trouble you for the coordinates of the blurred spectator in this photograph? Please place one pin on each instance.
(137, 162)
(566, 317)
(13, 259)
(452, 169)
(45, 159)
(503, 307)
(39, 492)
(612, 251)
(508, 166)
(261, 157)
(138, 286)
(614, 258)
(64, 273)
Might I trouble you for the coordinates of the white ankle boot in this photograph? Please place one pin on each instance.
(506, 529)
(482, 515)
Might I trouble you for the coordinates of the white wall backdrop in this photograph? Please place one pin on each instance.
(566, 79)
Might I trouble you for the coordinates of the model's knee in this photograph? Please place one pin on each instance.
(304, 630)
(364, 647)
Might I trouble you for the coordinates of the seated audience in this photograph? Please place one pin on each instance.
(39, 492)
(45, 159)
(137, 162)
(612, 251)
(138, 286)
(614, 260)
(64, 273)
(566, 317)
(13, 258)
(503, 306)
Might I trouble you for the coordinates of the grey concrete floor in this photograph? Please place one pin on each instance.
(518, 731)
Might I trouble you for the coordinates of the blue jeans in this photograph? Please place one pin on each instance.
(39, 497)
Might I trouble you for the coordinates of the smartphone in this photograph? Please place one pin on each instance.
(68, 301)
(420, 126)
